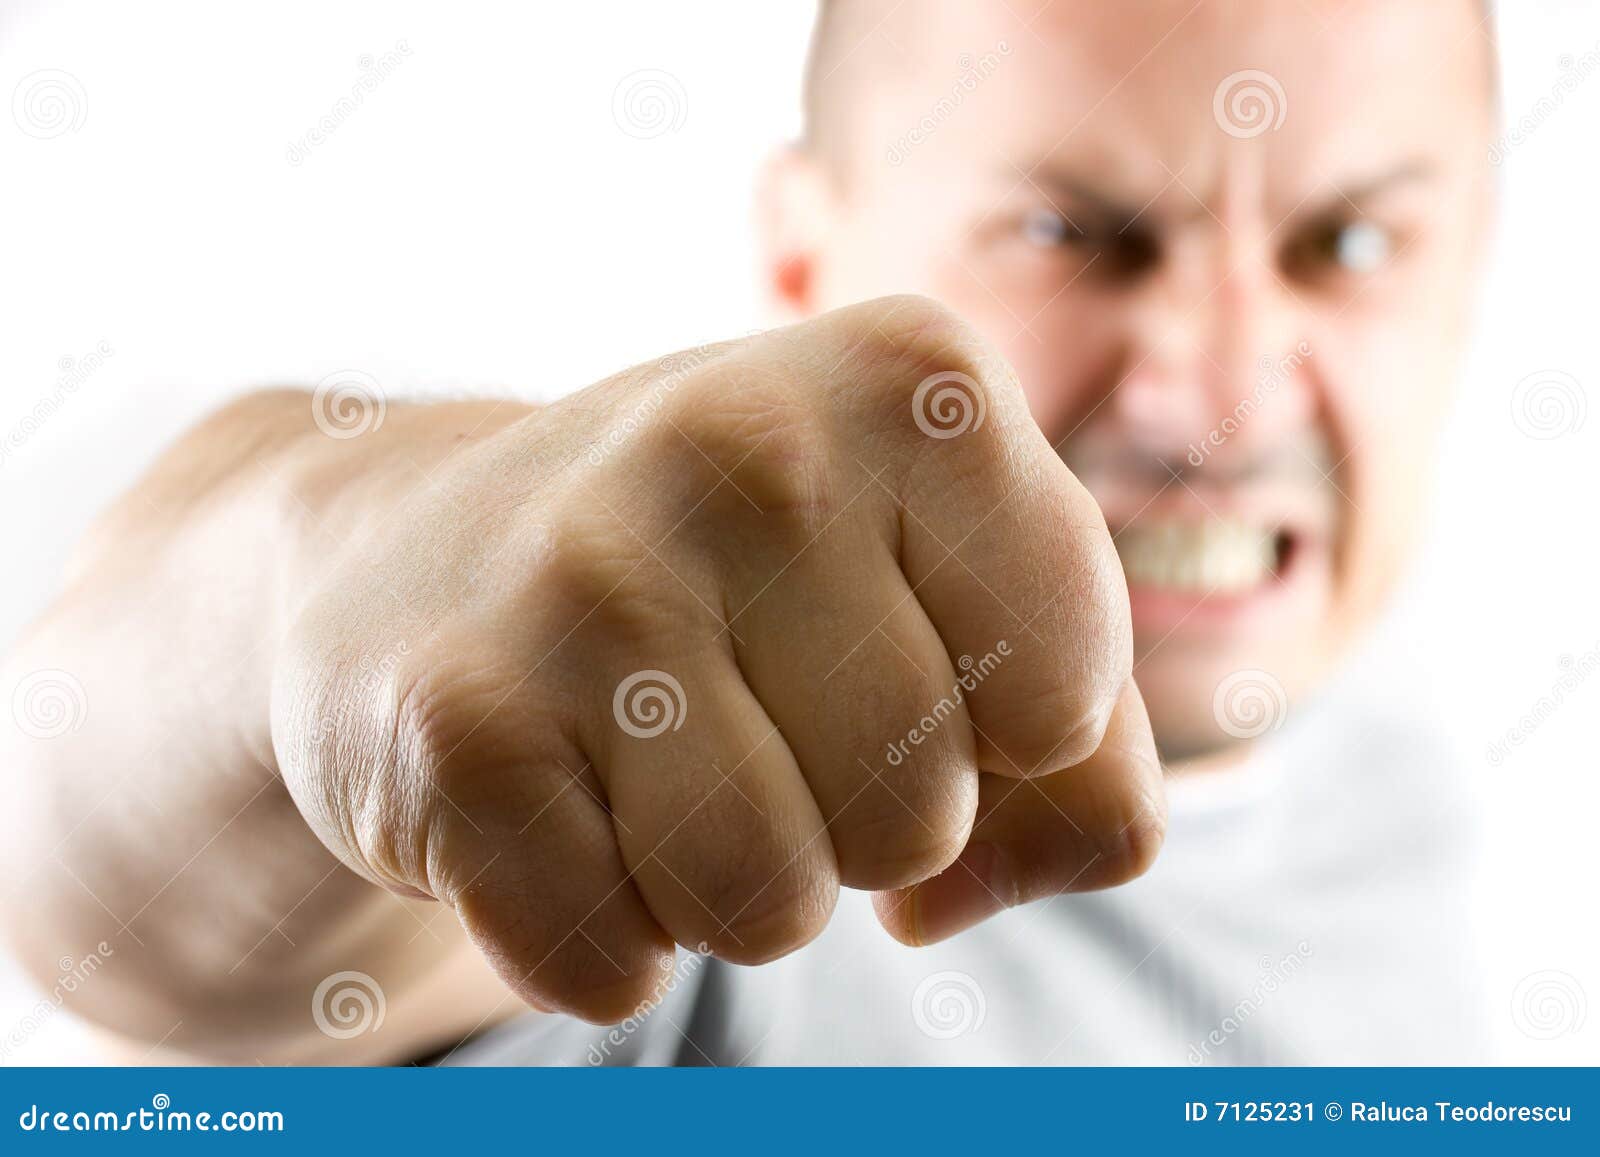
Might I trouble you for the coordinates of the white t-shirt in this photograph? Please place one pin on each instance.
(1310, 907)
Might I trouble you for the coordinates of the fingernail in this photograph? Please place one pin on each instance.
(969, 891)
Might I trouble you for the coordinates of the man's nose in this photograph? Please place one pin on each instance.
(1215, 355)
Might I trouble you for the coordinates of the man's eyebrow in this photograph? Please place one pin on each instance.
(1415, 171)
(1084, 195)
(1060, 185)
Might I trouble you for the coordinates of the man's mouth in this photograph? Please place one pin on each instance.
(1215, 556)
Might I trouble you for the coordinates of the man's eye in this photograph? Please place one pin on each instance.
(1114, 251)
(1048, 230)
(1358, 247)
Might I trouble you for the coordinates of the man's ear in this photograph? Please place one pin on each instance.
(794, 209)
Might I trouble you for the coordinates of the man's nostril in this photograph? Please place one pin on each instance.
(1283, 549)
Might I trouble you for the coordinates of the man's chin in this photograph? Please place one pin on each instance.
(1207, 708)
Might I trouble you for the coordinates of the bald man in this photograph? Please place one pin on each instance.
(1117, 338)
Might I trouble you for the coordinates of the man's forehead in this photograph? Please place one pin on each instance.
(1142, 86)
(1128, 33)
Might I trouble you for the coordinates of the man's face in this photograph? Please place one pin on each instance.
(1228, 248)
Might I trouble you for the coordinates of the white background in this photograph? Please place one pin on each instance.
(482, 223)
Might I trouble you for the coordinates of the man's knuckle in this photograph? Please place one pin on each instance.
(911, 323)
(595, 583)
(768, 442)
(951, 406)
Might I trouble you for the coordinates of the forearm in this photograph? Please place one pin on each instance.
(159, 824)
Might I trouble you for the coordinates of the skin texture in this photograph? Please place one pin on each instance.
(356, 701)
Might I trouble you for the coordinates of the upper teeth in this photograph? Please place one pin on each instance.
(1204, 556)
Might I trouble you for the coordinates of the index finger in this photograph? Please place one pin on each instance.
(1004, 548)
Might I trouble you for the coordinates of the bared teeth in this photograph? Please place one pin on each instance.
(1215, 555)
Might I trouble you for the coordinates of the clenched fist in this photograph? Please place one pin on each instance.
(673, 659)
